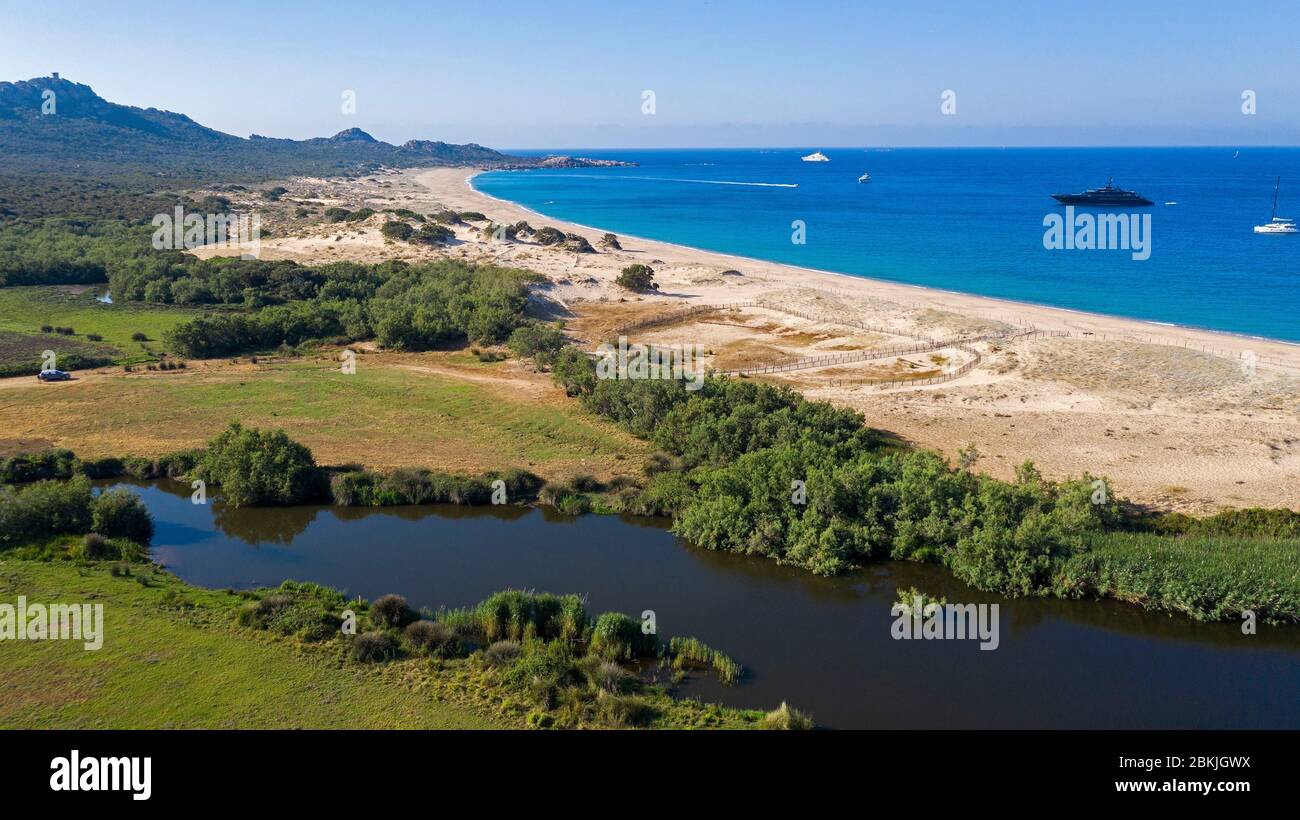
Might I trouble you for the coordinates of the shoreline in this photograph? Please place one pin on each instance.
(925, 296)
(1177, 418)
(469, 182)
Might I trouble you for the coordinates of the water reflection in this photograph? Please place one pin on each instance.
(824, 644)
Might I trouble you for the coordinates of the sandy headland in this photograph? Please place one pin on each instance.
(1176, 418)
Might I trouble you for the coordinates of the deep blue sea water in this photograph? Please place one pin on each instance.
(968, 220)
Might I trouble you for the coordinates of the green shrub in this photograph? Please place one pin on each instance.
(43, 509)
(431, 233)
(624, 711)
(540, 670)
(304, 610)
(521, 485)
(396, 230)
(433, 638)
(173, 465)
(375, 647)
(577, 243)
(617, 637)
(502, 653)
(549, 236)
(692, 651)
(100, 467)
(785, 718)
(537, 341)
(637, 277)
(47, 464)
(606, 675)
(1256, 521)
(261, 467)
(391, 612)
(94, 547)
(515, 615)
(121, 514)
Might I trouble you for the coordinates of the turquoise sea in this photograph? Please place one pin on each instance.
(968, 220)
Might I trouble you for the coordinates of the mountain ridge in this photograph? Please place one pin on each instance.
(55, 125)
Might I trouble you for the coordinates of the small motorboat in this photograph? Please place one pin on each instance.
(865, 177)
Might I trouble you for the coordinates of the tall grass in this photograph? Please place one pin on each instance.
(1208, 577)
(517, 615)
(694, 651)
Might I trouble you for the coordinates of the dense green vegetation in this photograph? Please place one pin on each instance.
(68, 251)
(283, 303)
(757, 469)
(1208, 576)
(266, 468)
(537, 341)
(257, 467)
(571, 669)
(638, 278)
(39, 510)
(405, 307)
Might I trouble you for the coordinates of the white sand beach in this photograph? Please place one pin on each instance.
(1177, 418)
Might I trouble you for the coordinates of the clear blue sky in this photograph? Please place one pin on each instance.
(551, 73)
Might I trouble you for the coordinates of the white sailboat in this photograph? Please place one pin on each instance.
(1279, 224)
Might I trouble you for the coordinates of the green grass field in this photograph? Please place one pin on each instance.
(172, 658)
(26, 309)
(393, 412)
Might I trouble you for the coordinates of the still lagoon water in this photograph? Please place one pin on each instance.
(823, 644)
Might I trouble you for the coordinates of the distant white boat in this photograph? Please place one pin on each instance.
(1279, 224)
(816, 156)
(865, 177)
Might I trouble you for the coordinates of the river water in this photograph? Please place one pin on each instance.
(825, 645)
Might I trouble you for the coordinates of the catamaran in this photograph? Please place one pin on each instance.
(1279, 224)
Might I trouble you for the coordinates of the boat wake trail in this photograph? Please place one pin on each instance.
(671, 179)
(727, 182)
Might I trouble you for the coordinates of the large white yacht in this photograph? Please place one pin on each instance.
(816, 156)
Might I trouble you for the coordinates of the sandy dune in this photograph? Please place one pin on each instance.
(1175, 417)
